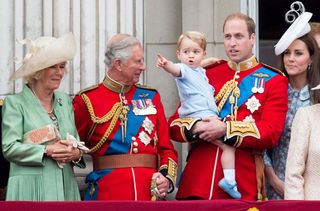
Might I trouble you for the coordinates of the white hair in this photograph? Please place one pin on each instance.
(120, 49)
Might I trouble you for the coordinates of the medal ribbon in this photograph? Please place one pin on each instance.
(245, 87)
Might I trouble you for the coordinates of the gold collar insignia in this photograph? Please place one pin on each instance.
(244, 65)
(115, 86)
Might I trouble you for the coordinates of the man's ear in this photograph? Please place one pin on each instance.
(117, 64)
(253, 38)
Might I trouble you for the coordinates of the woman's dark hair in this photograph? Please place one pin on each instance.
(313, 73)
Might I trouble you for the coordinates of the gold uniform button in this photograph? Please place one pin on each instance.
(133, 138)
(135, 150)
(135, 143)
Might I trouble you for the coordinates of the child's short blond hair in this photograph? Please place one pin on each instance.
(195, 36)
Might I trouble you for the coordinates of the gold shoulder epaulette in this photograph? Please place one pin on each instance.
(145, 87)
(87, 89)
(273, 69)
(1, 102)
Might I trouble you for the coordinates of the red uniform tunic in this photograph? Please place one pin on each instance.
(146, 133)
(203, 170)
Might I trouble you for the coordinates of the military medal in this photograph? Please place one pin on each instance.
(150, 107)
(148, 125)
(253, 104)
(134, 107)
(144, 138)
(261, 86)
(259, 82)
(254, 89)
(143, 107)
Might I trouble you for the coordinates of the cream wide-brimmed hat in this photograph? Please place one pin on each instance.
(45, 52)
(297, 29)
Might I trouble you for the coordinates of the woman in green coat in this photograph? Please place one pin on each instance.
(39, 137)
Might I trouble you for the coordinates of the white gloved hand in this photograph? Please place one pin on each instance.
(77, 144)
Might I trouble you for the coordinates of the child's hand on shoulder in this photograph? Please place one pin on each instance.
(209, 61)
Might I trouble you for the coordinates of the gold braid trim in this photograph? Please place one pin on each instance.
(114, 114)
(172, 170)
(224, 93)
(108, 131)
(94, 118)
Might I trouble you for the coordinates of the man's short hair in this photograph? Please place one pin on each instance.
(119, 48)
(251, 26)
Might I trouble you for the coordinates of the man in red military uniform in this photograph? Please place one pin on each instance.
(125, 128)
(252, 103)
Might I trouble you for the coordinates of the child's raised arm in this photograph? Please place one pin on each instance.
(168, 66)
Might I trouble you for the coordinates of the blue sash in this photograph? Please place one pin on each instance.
(133, 125)
(117, 146)
(245, 87)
